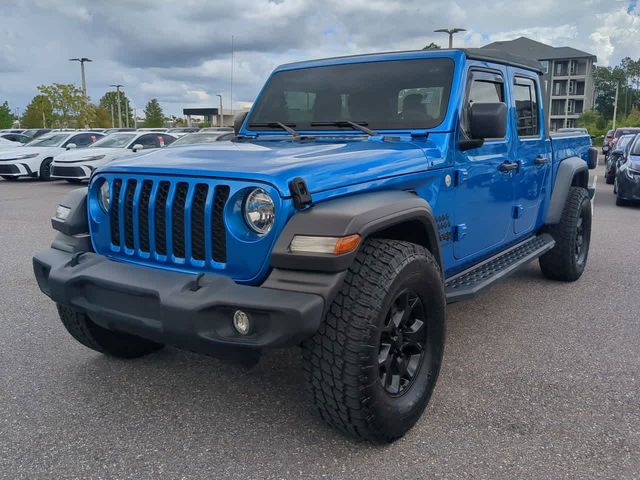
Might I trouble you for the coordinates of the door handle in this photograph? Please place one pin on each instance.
(540, 160)
(508, 166)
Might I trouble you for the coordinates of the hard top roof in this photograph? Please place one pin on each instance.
(482, 54)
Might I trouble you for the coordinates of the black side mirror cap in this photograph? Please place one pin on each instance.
(488, 120)
(238, 121)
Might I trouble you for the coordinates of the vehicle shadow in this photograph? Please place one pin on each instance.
(208, 396)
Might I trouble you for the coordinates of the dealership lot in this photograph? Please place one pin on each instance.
(540, 380)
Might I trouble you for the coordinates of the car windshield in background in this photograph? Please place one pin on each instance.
(115, 140)
(195, 138)
(390, 95)
(626, 131)
(48, 141)
(624, 140)
(635, 148)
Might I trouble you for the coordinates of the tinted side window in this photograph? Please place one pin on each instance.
(485, 87)
(164, 140)
(149, 140)
(83, 140)
(526, 99)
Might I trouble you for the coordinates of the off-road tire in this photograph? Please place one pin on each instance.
(95, 337)
(9, 178)
(45, 170)
(341, 361)
(563, 261)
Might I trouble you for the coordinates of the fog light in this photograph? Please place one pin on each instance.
(241, 322)
(62, 212)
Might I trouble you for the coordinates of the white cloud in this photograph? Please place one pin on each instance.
(179, 52)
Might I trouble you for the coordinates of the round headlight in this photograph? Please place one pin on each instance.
(104, 197)
(259, 211)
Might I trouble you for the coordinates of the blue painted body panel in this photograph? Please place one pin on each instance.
(479, 209)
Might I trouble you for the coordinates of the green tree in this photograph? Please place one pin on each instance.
(109, 102)
(6, 117)
(595, 123)
(38, 114)
(632, 120)
(102, 118)
(70, 107)
(153, 114)
(432, 46)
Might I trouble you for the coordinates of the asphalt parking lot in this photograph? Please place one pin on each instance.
(540, 380)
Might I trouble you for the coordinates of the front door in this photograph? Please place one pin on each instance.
(532, 153)
(484, 188)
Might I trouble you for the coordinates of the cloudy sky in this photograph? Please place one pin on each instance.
(179, 50)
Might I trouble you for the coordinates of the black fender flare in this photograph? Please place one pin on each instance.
(366, 214)
(572, 171)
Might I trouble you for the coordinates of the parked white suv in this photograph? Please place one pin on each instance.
(34, 159)
(78, 166)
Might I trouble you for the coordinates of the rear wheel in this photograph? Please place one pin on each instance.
(372, 366)
(568, 258)
(95, 337)
(45, 169)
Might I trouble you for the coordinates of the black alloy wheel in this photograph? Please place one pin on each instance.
(402, 343)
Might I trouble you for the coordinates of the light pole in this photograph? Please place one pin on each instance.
(451, 32)
(84, 82)
(117, 86)
(221, 116)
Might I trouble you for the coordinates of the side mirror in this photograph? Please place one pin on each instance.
(238, 121)
(71, 146)
(137, 146)
(486, 120)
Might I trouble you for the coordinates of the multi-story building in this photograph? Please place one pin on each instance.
(567, 81)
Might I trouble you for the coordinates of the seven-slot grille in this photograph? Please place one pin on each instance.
(169, 218)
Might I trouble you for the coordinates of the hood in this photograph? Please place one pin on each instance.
(20, 151)
(84, 153)
(323, 164)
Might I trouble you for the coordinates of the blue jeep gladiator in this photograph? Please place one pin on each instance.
(359, 196)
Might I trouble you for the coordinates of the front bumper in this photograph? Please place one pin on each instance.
(16, 169)
(628, 189)
(71, 171)
(167, 307)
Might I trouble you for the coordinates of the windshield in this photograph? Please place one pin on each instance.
(635, 148)
(115, 140)
(626, 131)
(193, 138)
(624, 140)
(403, 94)
(48, 141)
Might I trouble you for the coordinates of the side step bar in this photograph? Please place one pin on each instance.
(468, 283)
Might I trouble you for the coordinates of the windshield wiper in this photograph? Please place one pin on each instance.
(286, 127)
(346, 123)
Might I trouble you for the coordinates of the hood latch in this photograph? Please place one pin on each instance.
(300, 193)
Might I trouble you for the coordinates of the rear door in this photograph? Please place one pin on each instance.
(532, 152)
(484, 193)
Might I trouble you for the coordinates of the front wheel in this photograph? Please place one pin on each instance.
(109, 342)
(373, 364)
(567, 259)
(45, 169)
